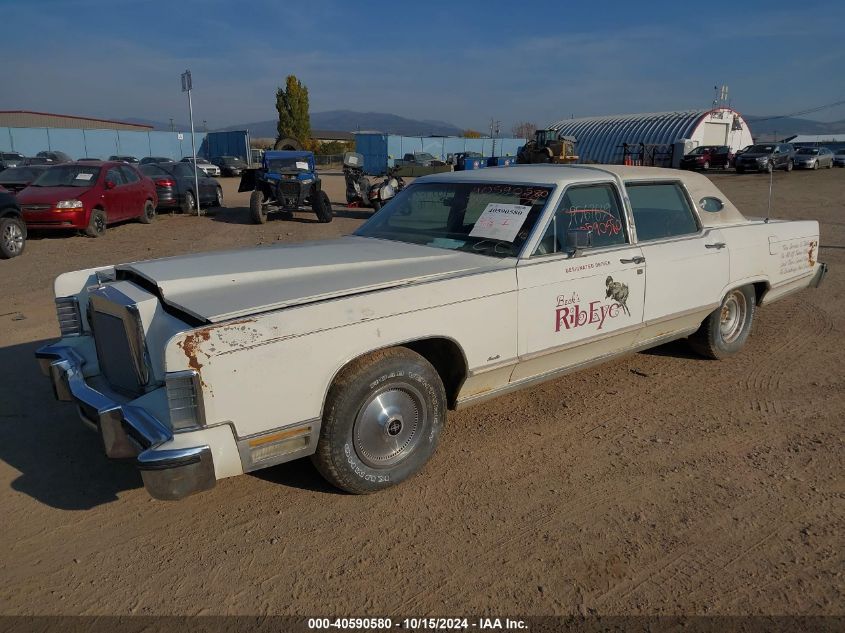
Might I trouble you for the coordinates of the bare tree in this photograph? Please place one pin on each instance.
(524, 130)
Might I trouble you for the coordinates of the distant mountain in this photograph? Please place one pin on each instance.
(790, 126)
(349, 121)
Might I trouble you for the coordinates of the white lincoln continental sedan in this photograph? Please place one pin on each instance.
(351, 351)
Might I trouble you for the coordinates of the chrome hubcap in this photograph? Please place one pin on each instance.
(13, 238)
(387, 428)
(733, 316)
(190, 200)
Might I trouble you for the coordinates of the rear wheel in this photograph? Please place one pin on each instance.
(149, 213)
(725, 331)
(256, 207)
(322, 206)
(12, 237)
(189, 204)
(382, 422)
(218, 201)
(97, 223)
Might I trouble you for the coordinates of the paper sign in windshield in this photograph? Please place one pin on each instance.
(83, 176)
(500, 221)
(301, 165)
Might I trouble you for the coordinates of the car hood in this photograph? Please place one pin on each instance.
(48, 195)
(225, 285)
(754, 155)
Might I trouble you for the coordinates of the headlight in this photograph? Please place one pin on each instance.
(307, 181)
(762, 159)
(69, 204)
(184, 398)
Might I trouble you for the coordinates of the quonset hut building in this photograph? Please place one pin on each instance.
(658, 138)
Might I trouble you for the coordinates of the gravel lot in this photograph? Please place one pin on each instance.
(660, 483)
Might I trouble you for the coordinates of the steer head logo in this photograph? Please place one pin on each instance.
(618, 292)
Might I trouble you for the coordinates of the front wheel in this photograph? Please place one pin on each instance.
(322, 206)
(97, 224)
(770, 167)
(375, 203)
(12, 237)
(789, 165)
(256, 207)
(382, 422)
(725, 331)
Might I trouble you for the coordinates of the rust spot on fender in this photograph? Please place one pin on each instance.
(191, 346)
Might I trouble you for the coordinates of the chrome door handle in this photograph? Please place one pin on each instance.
(716, 245)
(633, 260)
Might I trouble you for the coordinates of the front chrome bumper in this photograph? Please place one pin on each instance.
(129, 432)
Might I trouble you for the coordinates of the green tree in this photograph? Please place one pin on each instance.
(292, 105)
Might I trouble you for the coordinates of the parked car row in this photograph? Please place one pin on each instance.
(227, 165)
(761, 157)
(89, 195)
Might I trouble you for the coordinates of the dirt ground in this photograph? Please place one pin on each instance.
(656, 484)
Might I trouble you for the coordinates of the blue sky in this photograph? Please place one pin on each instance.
(461, 62)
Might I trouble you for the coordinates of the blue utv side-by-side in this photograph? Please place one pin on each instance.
(286, 182)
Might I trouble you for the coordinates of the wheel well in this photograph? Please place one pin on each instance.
(7, 212)
(448, 359)
(760, 290)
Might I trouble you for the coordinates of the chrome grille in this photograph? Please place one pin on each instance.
(67, 312)
(36, 207)
(120, 343)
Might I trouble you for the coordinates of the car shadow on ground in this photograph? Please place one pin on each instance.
(299, 473)
(61, 462)
(675, 349)
(241, 215)
(354, 213)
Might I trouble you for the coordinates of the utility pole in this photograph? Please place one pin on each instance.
(494, 127)
(187, 85)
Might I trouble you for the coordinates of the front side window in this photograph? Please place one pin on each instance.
(113, 175)
(484, 218)
(661, 210)
(594, 208)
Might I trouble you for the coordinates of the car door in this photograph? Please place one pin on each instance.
(114, 194)
(574, 307)
(686, 267)
(134, 192)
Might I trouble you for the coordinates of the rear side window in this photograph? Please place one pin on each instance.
(660, 210)
(129, 174)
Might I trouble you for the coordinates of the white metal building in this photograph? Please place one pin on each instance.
(659, 138)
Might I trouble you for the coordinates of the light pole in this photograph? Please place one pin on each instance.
(187, 85)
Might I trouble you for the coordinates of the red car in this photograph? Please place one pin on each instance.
(88, 196)
(708, 156)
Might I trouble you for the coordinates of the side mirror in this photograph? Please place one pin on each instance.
(110, 184)
(577, 240)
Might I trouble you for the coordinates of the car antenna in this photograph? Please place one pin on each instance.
(769, 205)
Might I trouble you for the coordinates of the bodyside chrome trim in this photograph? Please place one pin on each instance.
(557, 373)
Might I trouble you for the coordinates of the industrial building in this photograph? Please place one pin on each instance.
(833, 142)
(27, 118)
(657, 138)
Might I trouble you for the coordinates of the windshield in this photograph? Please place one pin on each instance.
(482, 218)
(11, 156)
(808, 150)
(68, 176)
(287, 164)
(698, 151)
(761, 149)
(423, 156)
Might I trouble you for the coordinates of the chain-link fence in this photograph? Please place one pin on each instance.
(329, 160)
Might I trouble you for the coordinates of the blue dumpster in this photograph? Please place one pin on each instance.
(466, 162)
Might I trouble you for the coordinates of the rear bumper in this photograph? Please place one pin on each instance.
(818, 278)
(129, 432)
